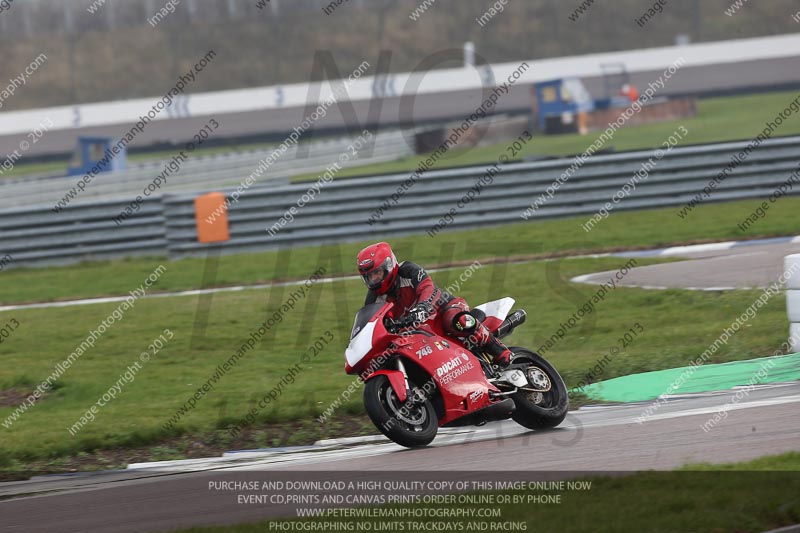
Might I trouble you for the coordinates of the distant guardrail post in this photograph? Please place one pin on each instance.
(791, 265)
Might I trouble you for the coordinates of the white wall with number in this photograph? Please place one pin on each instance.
(386, 86)
(791, 265)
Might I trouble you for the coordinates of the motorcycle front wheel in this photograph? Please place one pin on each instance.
(534, 409)
(409, 424)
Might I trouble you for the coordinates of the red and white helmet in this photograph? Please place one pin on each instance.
(378, 267)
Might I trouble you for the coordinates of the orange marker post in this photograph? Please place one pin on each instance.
(211, 217)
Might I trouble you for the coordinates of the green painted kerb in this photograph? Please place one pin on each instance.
(703, 378)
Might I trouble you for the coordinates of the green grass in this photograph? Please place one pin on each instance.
(623, 229)
(771, 463)
(745, 497)
(678, 326)
(23, 168)
(717, 119)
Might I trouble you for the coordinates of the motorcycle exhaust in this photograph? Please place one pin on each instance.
(512, 321)
(500, 410)
(493, 394)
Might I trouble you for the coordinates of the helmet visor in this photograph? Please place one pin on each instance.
(375, 277)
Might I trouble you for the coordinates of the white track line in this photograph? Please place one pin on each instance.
(237, 288)
(708, 247)
(599, 278)
(195, 292)
(490, 432)
(675, 250)
(727, 406)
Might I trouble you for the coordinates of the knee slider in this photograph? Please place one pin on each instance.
(465, 322)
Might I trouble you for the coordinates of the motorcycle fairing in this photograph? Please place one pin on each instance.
(361, 344)
(396, 380)
(496, 311)
(461, 380)
(462, 383)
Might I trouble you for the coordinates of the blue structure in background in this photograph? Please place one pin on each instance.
(555, 98)
(96, 152)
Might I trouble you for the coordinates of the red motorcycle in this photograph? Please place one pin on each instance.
(418, 379)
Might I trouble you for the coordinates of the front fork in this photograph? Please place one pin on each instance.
(398, 380)
(402, 368)
(415, 396)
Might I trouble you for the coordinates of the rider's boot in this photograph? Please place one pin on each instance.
(483, 338)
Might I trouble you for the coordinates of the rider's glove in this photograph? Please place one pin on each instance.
(391, 324)
(415, 316)
(420, 313)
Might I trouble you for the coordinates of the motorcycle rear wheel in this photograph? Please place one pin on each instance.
(539, 410)
(415, 427)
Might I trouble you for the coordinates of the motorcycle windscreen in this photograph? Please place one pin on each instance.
(364, 315)
(361, 335)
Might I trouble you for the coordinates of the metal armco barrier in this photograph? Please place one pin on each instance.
(340, 210)
(220, 170)
(87, 232)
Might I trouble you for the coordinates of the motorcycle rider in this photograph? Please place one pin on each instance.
(417, 299)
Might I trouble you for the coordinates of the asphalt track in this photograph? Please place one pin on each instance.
(613, 438)
(709, 267)
(598, 439)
